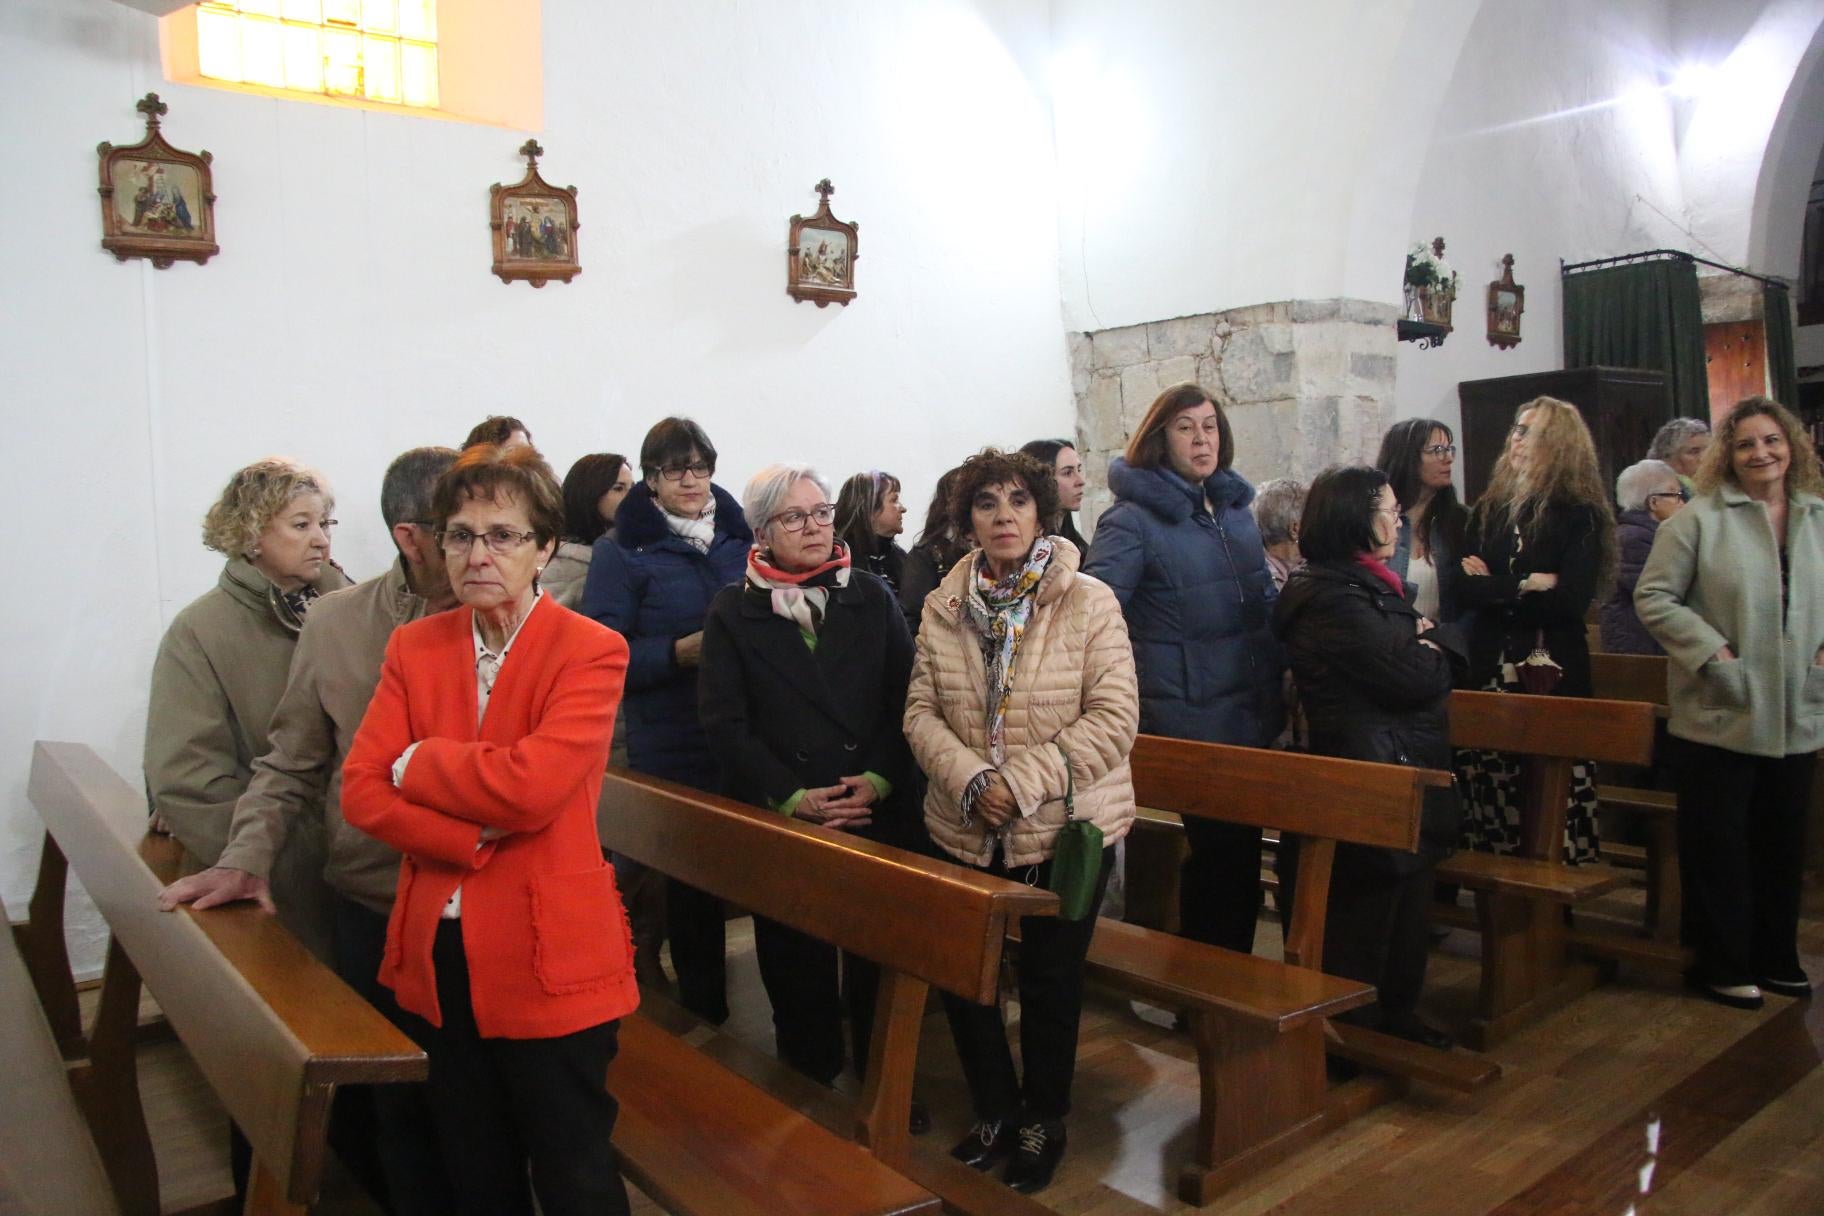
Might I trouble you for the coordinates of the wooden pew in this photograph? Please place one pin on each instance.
(1261, 1027)
(273, 1030)
(48, 1160)
(1632, 677)
(926, 923)
(1520, 900)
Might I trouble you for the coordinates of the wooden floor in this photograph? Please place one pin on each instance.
(1738, 1100)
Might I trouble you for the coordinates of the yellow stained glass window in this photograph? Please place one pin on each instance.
(380, 50)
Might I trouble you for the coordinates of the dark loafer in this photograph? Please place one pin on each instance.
(1798, 985)
(1035, 1157)
(988, 1143)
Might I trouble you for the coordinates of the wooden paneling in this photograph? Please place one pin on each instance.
(1735, 359)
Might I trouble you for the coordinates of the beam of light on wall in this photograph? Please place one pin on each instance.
(1103, 129)
(1691, 81)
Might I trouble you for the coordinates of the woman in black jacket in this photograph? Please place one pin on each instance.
(803, 682)
(1374, 678)
(1541, 540)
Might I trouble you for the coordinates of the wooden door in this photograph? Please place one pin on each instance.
(1735, 354)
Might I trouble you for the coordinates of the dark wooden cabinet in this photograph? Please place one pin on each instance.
(1623, 407)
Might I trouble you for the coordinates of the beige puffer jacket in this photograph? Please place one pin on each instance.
(1073, 682)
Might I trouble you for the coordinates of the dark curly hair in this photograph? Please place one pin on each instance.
(993, 467)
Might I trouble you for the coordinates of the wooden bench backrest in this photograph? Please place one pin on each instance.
(939, 923)
(271, 1028)
(1317, 796)
(1629, 677)
(1566, 728)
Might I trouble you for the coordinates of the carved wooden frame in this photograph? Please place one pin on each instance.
(1499, 333)
(509, 263)
(126, 238)
(819, 282)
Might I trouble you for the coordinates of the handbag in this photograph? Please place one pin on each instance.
(1076, 858)
(1539, 673)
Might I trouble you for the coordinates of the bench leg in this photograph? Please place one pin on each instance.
(107, 1090)
(1262, 1098)
(1525, 974)
(266, 1197)
(47, 959)
(1665, 890)
(886, 1095)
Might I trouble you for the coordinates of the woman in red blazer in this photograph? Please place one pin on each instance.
(480, 759)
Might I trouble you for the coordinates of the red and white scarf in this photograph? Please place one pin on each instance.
(802, 597)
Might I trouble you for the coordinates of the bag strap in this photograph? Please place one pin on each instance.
(1070, 784)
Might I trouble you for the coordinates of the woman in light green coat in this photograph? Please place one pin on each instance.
(1734, 590)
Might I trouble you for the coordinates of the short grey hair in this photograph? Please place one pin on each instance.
(768, 488)
(405, 491)
(1277, 507)
(1673, 436)
(1637, 481)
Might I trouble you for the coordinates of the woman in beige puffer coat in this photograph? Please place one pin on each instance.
(1023, 667)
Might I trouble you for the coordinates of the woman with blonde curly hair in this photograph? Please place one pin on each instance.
(1539, 544)
(1734, 590)
(223, 664)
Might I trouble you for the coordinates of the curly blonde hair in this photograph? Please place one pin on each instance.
(1561, 470)
(253, 497)
(1803, 475)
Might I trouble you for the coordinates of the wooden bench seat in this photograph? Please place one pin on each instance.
(698, 1138)
(48, 1160)
(1529, 877)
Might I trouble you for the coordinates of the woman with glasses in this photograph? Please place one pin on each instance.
(1734, 590)
(1182, 552)
(868, 516)
(677, 540)
(480, 759)
(1649, 493)
(1418, 456)
(805, 666)
(1539, 543)
(1022, 713)
(222, 667)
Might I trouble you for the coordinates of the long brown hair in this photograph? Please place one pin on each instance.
(1561, 471)
(1802, 475)
(1147, 448)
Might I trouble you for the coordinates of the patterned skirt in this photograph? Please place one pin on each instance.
(1492, 793)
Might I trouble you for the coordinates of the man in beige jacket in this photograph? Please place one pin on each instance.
(333, 675)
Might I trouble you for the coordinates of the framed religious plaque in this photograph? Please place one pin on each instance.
(820, 255)
(534, 226)
(1506, 301)
(157, 202)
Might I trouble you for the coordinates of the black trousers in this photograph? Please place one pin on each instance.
(1219, 892)
(699, 950)
(1051, 1006)
(1376, 926)
(397, 1123)
(506, 1108)
(809, 984)
(1741, 853)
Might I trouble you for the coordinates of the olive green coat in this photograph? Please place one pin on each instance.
(1713, 579)
(219, 674)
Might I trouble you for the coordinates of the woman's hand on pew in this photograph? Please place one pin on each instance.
(216, 886)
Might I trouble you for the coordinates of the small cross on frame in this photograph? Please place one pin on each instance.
(531, 151)
(152, 108)
(824, 189)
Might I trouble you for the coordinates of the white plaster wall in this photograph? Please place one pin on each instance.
(1551, 144)
(1215, 154)
(351, 313)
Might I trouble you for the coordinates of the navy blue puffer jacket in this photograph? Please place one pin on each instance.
(652, 588)
(1198, 601)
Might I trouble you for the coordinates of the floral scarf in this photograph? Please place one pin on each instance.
(700, 532)
(800, 598)
(999, 610)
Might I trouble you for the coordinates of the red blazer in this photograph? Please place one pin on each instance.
(547, 940)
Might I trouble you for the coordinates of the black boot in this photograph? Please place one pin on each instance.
(1036, 1156)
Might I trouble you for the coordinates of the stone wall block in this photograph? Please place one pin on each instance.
(1368, 312)
(1191, 336)
(1099, 411)
(1119, 347)
(1082, 355)
(1258, 364)
(1315, 310)
(1266, 438)
(1139, 385)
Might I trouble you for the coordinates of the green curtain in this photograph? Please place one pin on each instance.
(1782, 371)
(1644, 314)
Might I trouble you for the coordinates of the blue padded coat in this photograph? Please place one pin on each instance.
(652, 588)
(1198, 601)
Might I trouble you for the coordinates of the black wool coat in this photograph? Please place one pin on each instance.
(781, 717)
(1506, 624)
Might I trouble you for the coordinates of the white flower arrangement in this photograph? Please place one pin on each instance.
(1427, 269)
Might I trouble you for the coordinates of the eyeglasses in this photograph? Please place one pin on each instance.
(1682, 494)
(1440, 450)
(675, 472)
(794, 520)
(458, 542)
